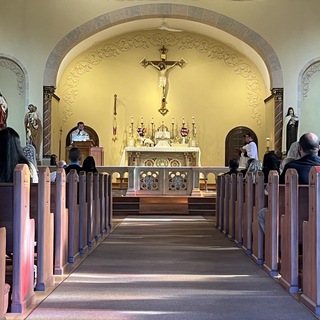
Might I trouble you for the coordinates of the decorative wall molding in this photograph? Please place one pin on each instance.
(182, 41)
(14, 68)
(167, 10)
(307, 75)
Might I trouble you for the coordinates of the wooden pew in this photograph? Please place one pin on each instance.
(58, 207)
(90, 214)
(259, 203)
(96, 207)
(218, 210)
(239, 210)
(44, 223)
(110, 204)
(73, 216)
(221, 201)
(83, 213)
(103, 210)
(4, 287)
(232, 204)
(311, 246)
(226, 202)
(248, 213)
(15, 217)
(289, 233)
(272, 226)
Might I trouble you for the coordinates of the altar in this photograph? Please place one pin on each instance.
(161, 157)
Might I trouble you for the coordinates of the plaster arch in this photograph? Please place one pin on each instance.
(305, 74)
(22, 79)
(309, 70)
(164, 10)
(15, 87)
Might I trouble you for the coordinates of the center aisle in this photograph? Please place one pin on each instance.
(169, 267)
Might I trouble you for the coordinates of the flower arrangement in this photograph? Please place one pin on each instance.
(141, 132)
(184, 132)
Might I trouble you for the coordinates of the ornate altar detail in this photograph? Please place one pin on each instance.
(149, 180)
(178, 181)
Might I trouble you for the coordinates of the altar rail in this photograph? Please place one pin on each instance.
(152, 181)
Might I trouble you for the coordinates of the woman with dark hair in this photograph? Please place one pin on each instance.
(89, 165)
(270, 162)
(11, 154)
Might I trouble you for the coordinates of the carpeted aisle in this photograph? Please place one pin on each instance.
(169, 267)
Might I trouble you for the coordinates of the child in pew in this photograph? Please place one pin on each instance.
(89, 165)
(74, 157)
(11, 154)
(270, 162)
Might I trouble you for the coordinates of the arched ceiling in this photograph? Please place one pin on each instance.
(154, 24)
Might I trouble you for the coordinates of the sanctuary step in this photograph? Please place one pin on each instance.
(164, 205)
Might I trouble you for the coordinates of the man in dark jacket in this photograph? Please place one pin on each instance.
(308, 149)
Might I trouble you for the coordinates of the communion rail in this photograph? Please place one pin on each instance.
(168, 181)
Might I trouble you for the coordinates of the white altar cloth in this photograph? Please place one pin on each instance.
(167, 150)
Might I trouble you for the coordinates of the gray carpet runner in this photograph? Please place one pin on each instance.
(171, 268)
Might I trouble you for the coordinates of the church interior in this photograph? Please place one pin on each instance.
(160, 83)
(238, 70)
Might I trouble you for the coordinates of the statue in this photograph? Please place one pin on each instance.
(290, 128)
(33, 127)
(3, 111)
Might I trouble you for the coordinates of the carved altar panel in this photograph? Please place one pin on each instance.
(161, 157)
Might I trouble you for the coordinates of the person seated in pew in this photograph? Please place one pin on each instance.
(254, 166)
(270, 162)
(233, 166)
(11, 154)
(308, 149)
(293, 154)
(89, 165)
(74, 158)
(53, 174)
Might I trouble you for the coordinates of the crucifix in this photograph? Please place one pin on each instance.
(163, 66)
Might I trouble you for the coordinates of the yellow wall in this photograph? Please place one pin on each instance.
(219, 87)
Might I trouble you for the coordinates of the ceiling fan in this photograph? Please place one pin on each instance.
(165, 27)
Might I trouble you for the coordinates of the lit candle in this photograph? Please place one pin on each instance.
(172, 120)
(141, 119)
(152, 120)
(131, 119)
(183, 122)
(192, 119)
